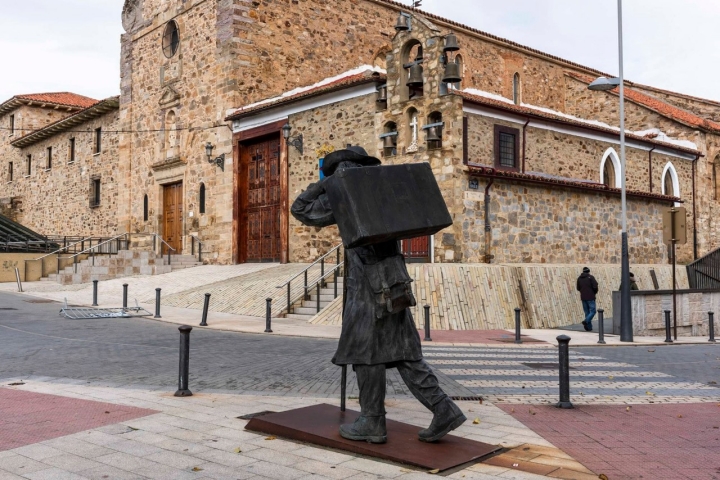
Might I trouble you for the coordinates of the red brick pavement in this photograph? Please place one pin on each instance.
(680, 441)
(476, 336)
(27, 417)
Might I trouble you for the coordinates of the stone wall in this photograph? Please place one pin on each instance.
(56, 200)
(535, 224)
(648, 309)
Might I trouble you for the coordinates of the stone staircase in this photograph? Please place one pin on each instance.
(124, 263)
(307, 309)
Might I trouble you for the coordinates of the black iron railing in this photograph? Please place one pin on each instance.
(705, 272)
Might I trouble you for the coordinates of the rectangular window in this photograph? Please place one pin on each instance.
(10, 171)
(71, 151)
(507, 146)
(98, 140)
(48, 165)
(28, 170)
(94, 191)
(12, 124)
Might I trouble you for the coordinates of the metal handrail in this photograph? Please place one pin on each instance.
(192, 246)
(99, 245)
(61, 249)
(311, 265)
(320, 280)
(321, 283)
(156, 236)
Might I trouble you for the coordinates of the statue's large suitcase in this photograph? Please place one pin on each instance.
(375, 204)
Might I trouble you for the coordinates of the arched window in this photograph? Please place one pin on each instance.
(171, 39)
(516, 89)
(389, 138)
(411, 53)
(146, 209)
(412, 131)
(202, 198)
(670, 183)
(610, 171)
(434, 130)
(381, 58)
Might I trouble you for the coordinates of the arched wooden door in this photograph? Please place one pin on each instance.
(259, 230)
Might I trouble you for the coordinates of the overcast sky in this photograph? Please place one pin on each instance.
(74, 45)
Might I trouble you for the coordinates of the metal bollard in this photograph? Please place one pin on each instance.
(564, 358)
(317, 300)
(517, 326)
(711, 326)
(268, 311)
(601, 321)
(125, 292)
(667, 327)
(95, 304)
(206, 305)
(157, 303)
(427, 324)
(183, 390)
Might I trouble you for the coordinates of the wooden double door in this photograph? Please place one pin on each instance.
(260, 197)
(172, 216)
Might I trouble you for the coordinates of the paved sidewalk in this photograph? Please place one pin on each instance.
(200, 437)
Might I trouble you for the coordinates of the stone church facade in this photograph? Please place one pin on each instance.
(526, 156)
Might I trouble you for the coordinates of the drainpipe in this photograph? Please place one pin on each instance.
(523, 147)
(650, 166)
(488, 231)
(695, 245)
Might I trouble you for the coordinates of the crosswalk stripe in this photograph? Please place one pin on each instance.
(553, 373)
(439, 363)
(609, 384)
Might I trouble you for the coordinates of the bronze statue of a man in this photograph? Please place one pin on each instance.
(374, 339)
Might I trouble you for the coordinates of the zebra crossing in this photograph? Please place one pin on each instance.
(530, 375)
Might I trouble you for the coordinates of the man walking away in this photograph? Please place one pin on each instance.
(588, 287)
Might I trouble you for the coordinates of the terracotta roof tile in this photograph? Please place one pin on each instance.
(657, 105)
(358, 79)
(527, 111)
(60, 98)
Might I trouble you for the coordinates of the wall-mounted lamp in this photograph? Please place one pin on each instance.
(219, 161)
(296, 142)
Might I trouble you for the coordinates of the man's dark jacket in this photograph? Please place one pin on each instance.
(587, 286)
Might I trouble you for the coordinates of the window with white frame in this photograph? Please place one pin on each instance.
(670, 182)
(610, 169)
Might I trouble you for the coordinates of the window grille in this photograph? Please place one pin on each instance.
(507, 145)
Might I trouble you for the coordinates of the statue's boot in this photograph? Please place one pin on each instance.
(447, 416)
(423, 384)
(370, 425)
(368, 429)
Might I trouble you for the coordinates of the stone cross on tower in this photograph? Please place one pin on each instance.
(413, 147)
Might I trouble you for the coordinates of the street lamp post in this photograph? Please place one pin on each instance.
(604, 84)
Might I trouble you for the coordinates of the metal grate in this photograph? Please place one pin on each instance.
(475, 398)
(7, 308)
(40, 300)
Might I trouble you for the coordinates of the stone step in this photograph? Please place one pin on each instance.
(313, 304)
(325, 297)
(298, 316)
(312, 311)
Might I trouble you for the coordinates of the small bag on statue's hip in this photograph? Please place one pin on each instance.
(391, 285)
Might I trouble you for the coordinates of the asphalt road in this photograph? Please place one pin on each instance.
(35, 341)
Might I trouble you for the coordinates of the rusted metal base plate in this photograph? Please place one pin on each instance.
(319, 425)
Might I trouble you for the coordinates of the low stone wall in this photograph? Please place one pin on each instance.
(483, 297)
(648, 311)
(10, 261)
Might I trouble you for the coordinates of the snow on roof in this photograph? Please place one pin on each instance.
(350, 73)
(654, 133)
